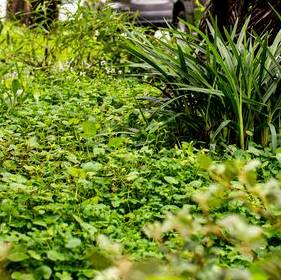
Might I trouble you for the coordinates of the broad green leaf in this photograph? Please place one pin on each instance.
(90, 128)
(73, 242)
(116, 142)
(54, 255)
(15, 85)
(132, 176)
(32, 142)
(17, 257)
(63, 276)
(91, 166)
(171, 180)
(76, 172)
(22, 276)
(35, 255)
(86, 226)
(44, 272)
(204, 161)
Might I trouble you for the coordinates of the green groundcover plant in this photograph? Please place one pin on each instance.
(70, 172)
(235, 233)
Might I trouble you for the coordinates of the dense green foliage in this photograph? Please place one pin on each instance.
(220, 88)
(84, 172)
(233, 234)
(99, 33)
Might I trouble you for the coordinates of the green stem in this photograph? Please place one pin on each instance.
(241, 124)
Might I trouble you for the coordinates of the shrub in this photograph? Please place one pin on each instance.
(84, 43)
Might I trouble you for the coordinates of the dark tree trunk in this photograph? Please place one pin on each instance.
(227, 12)
(34, 12)
(19, 10)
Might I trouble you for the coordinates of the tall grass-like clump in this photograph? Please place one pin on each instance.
(219, 88)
